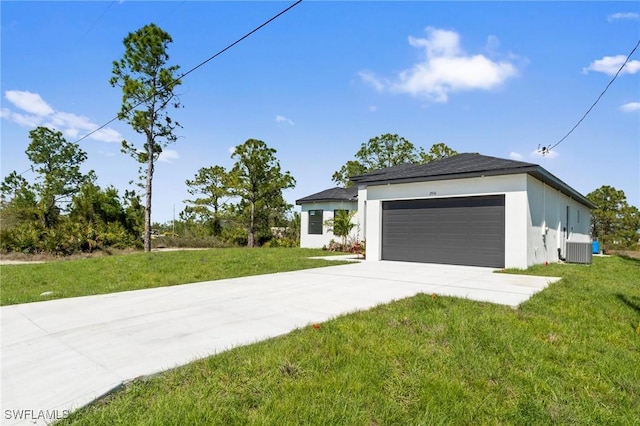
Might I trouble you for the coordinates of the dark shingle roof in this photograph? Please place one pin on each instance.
(461, 165)
(333, 194)
(466, 165)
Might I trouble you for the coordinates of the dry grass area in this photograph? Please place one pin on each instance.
(625, 253)
(25, 258)
(14, 258)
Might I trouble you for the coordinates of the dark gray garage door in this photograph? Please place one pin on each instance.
(456, 231)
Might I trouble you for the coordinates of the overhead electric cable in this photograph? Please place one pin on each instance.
(171, 13)
(240, 39)
(256, 29)
(545, 150)
(29, 169)
(95, 22)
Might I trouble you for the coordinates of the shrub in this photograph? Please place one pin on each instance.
(355, 246)
(66, 237)
(235, 235)
(282, 242)
(24, 237)
(189, 241)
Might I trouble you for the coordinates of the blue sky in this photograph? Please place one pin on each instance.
(498, 78)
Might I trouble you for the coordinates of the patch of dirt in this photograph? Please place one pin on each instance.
(19, 262)
(23, 258)
(178, 248)
(626, 253)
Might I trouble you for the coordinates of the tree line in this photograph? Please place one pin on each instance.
(614, 222)
(243, 204)
(63, 211)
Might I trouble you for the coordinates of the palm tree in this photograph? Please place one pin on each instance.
(341, 224)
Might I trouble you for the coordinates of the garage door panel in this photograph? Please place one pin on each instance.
(465, 231)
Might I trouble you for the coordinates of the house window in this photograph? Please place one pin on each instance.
(337, 212)
(315, 222)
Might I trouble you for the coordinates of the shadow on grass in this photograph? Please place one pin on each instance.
(633, 302)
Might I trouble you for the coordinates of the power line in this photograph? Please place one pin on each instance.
(545, 149)
(95, 22)
(241, 39)
(171, 13)
(256, 29)
(29, 169)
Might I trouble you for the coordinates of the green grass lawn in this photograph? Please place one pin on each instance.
(570, 355)
(83, 277)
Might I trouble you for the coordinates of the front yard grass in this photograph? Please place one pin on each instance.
(84, 277)
(570, 355)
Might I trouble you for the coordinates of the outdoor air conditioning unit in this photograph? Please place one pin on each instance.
(579, 252)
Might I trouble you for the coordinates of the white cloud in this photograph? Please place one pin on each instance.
(283, 119)
(370, 78)
(623, 15)
(28, 102)
(39, 113)
(25, 120)
(69, 133)
(373, 108)
(168, 155)
(446, 69)
(107, 134)
(611, 64)
(547, 154)
(630, 107)
(516, 156)
(439, 43)
(69, 120)
(231, 149)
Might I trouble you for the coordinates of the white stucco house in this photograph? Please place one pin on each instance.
(468, 209)
(320, 207)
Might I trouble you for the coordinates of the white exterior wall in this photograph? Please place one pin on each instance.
(515, 218)
(512, 186)
(535, 215)
(547, 222)
(362, 213)
(316, 240)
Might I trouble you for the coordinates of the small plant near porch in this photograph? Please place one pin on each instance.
(341, 225)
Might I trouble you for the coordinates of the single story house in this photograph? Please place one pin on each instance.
(468, 209)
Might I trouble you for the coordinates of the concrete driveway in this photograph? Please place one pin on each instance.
(62, 354)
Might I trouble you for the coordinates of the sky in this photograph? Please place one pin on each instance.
(498, 78)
